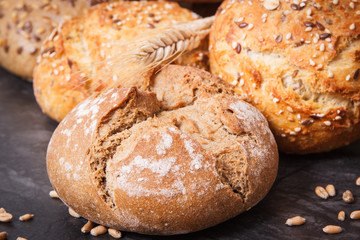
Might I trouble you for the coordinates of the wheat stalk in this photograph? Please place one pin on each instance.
(149, 52)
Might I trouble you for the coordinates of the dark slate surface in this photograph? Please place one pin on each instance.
(24, 185)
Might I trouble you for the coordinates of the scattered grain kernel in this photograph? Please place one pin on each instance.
(98, 230)
(26, 217)
(321, 192)
(2, 210)
(330, 189)
(355, 215)
(357, 181)
(295, 221)
(87, 227)
(348, 196)
(53, 194)
(341, 216)
(3, 235)
(21, 238)
(114, 233)
(332, 229)
(73, 213)
(5, 217)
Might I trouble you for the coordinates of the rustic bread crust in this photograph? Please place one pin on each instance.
(133, 161)
(24, 25)
(73, 61)
(297, 63)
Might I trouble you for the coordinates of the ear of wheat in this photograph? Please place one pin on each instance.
(149, 52)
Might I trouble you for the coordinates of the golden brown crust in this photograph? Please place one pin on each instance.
(72, 64)
(24, 25)
(130, 160)
(297, 63)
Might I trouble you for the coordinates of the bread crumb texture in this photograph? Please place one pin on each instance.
(172, 159)
(298, 63)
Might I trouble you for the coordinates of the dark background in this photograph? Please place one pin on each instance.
(24, 185)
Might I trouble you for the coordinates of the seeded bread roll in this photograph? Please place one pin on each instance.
(24, 25)
(74, 62)
(297, 63)
(177, 158)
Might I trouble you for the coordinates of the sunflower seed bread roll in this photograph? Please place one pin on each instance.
(79, 58)
(180, 157)
(24, 25)
(298, 62)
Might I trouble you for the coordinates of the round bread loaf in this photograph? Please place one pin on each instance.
(24, 25)
(177, 158)
(74, 62)
(298, 63)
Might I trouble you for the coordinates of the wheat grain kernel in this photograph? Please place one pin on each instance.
(114, 233)
(87, 227)
(98, 230)
(321, 192)
(295, 221)
(355, 215)
(330, 189)
(5, 217)
(341, 216)
(348, 196)
(3, 235)
(357, 181)
(26, 217)
(73, 213)
(332, 229)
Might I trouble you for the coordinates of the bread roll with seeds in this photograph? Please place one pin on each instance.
(78, 59)
(297, 63)
(155, 162)
(24, 25)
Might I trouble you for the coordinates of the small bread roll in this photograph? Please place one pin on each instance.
(78, 59)
(24, 25)
(298, 63)
(174, 159)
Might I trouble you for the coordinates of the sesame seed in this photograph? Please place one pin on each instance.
(330, 75)
(56, 72)
(324, 35)
(337, 118)
(312, 63)
(309, 12)
(302, 4)
(322, 47)
(278, 38)
(283, 135)
(292, 133)
(251, 26)
(264, 15)
(319, 26)
(352, 26)
(115, 78)
(276, 100)
(242, 24)
(233, 45)
(348, 77)
(298, 129)
(335, 2)
(331, 46)
(288, 36)
(289, 109)
(308, 29)
(358, 12)
(352, 5)
(356, 74)
(67, 77)
(234, 82)
(327, 123)
(316, 40)
(237, 20)
(241, 82)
